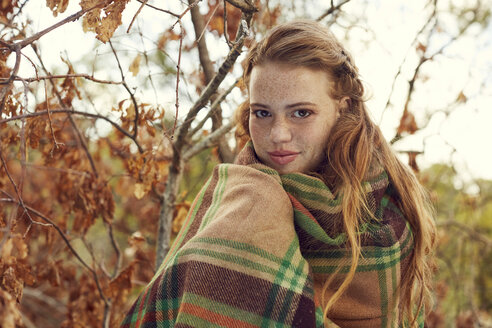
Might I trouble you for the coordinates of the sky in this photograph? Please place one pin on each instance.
(461, 137)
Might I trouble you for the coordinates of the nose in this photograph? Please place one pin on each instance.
(280, 132)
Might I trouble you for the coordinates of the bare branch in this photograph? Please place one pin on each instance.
(69, 19)
(412, 44)
(159, 9)
(143, 3)
(210, 89)
(70, 118)
(209, 141)
(62, 76)
(465, 228)
(134, 101)
(178, 69)
(246, 6)
(175, 169)
(116, 248)
(215, 106)
(332, 9)
(71, 111)
(65, 239)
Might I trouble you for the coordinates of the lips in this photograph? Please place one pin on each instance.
(282, 157)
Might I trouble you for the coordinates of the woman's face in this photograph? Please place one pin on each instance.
(291, 116)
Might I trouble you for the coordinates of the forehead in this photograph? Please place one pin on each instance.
(280, 80)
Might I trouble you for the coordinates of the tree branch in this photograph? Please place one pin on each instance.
(65, 76)
(71, 111)
(208, 142)
(215, 105)
(332, 9)
(225, 153)
(134, 101)
(175, 168)
(475, 235)
(67, 242)
(246, 6)
(159, 9)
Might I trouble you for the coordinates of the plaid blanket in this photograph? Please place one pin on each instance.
(257, 247)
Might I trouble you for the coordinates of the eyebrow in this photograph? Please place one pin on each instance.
(302, 103)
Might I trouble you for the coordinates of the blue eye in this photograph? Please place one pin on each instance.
(261, 113)
(301, 113)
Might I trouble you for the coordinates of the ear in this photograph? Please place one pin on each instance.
(343, 105)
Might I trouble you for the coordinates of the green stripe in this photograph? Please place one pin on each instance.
(308, 181)
(230, 258)
(315, 230)
(217, 196)
(378, 254)
(239, 246)
(303, 196)
(367, 251)
(384, 297)
(271, 300)
(294, 281)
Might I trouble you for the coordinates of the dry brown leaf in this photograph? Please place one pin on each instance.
(140, 190)
(407, 123)
(105, 26)
(135, 65)
(111, 21)
(9, 309)
(57, 6)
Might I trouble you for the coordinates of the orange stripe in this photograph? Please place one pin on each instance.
(213, 317)
(298, 206)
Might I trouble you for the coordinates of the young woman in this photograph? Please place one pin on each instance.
(318, 223)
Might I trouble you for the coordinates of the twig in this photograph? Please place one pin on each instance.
(208, 22)
(69, 19)
(116, 248)
(465, 228)
(159, 9)
(209, 141)
(49, 118)
(143, 3)
(134, 101)
(67, 242)
(18, 193)
(71, 111)
(213, 108)
(70, 118)
(61, 76)
(332, 9)
(178, 68)
(210, 88)
(246, 6)
(226, 36)
(412, 44)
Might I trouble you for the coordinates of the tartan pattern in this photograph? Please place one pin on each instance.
(256, 249)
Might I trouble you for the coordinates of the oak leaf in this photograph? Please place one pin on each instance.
(105, 26)
(57, 6)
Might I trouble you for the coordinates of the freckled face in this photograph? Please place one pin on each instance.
(291, 116)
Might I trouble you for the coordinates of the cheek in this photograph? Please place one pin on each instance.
(256, 132)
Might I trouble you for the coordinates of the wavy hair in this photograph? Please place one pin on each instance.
(355, 141)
